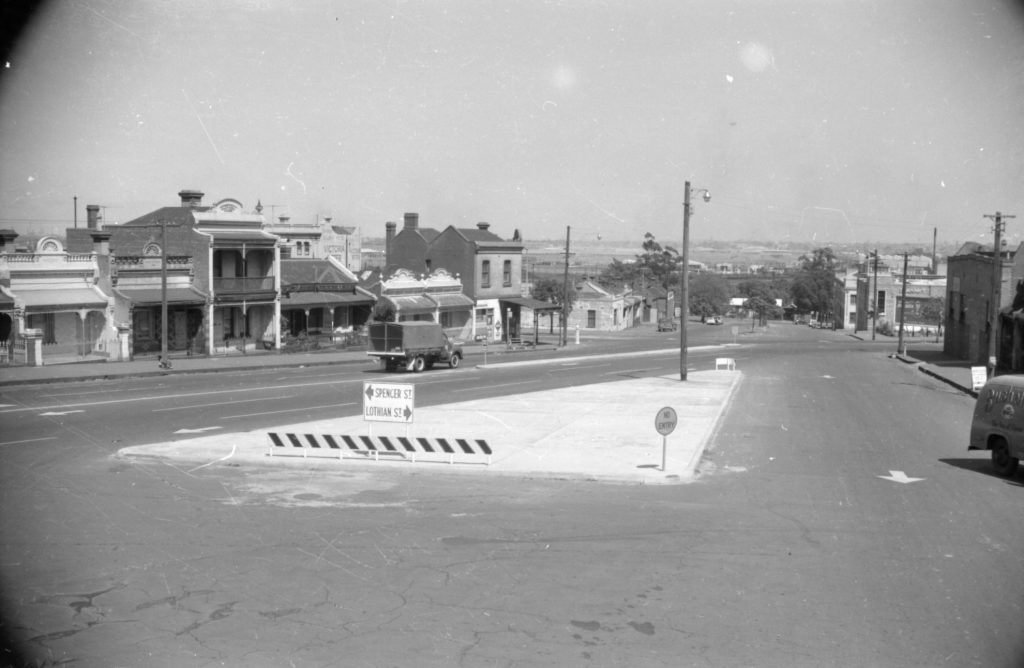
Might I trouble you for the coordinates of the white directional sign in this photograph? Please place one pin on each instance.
(388, 402)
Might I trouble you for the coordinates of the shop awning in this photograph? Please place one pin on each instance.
(150, 296)
(62, 299)
(324, 299)
(411, 304)
(533, 304)
(452, 301)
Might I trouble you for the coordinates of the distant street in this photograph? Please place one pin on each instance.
(838, 521)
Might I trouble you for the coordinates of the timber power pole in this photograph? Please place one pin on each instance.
(997, 284)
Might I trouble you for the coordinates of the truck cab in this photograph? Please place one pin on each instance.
(998, 422)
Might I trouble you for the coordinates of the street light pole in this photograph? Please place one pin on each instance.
(684, 281)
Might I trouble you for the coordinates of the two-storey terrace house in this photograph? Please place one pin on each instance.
(53, 296)
(489, 267)
(222, 277)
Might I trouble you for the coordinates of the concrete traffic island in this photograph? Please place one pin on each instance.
(603, 432)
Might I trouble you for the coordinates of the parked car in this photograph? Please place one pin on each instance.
(666, 325)
(713, 320)
(813, 324)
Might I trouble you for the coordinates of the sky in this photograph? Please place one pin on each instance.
(832, 121)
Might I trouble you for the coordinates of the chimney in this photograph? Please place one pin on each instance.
(283, 219)
(191, 198)
(483, 227)
(412, 221)
(92, 215)
(389, 236)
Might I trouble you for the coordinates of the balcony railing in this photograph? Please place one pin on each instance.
(243, 285)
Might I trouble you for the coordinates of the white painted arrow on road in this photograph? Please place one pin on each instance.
(899, 476)
(196, 431)
(60, 413)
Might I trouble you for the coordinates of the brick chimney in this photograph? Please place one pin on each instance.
(389, 236)
(483, 227)
(412, 221)
(191, 198)
(92, 216)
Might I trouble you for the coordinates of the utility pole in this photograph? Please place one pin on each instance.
(903, 305)
(684, 284)
(565, 291)
(875, 297)
(997, 284)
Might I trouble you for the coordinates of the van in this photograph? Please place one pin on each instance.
(998, 423)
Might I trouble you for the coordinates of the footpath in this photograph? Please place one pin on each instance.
(605, 431)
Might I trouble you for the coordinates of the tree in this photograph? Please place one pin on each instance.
(552, 290)
(657, 262)
(813, 287)
(709, 294)
(933, 312)
(763, 309)
(618, 274)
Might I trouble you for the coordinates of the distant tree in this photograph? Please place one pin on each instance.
(709, 294)
(619, 273)
(933, 312)
(552, 290)
(755, 288)
(813, 286)
(658, 263)
(763, 310)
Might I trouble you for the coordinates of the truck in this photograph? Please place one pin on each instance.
(998, 422)
(415, 345)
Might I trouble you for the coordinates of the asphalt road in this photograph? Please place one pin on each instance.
(803, 543)
(116, 413)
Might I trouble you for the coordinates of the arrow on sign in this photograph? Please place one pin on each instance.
(408, 412)
(60, 413)
(899, 476)
(369, 392)
(195, 431)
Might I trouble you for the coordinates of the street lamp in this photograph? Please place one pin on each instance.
(684, 281)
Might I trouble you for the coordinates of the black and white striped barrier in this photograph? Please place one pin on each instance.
(375, 446)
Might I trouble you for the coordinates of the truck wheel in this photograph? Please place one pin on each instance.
(454, 360)
(1002, 462)
(419, 364)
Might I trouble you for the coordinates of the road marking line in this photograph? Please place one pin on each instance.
(29, 440)
(219, 403)
(287, 410)
(165, 397)
(491, 387)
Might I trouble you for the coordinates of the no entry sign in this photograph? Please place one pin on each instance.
(666, 420)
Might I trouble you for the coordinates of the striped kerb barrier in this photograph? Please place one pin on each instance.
(375, 446)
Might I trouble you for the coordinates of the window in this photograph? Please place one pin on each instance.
(506, 273)
(881, 302)
(485, 274)
(591, 318)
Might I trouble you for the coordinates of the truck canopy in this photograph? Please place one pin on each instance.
(385, 337)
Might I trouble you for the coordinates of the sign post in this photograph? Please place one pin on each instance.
(665, 422)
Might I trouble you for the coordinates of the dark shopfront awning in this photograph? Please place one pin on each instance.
(64, 299)
(300, 299)
(154, 296)
(452, 301)
(534, 304)
(410, 304)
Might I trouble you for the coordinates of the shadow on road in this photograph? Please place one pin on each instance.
(982, 466)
